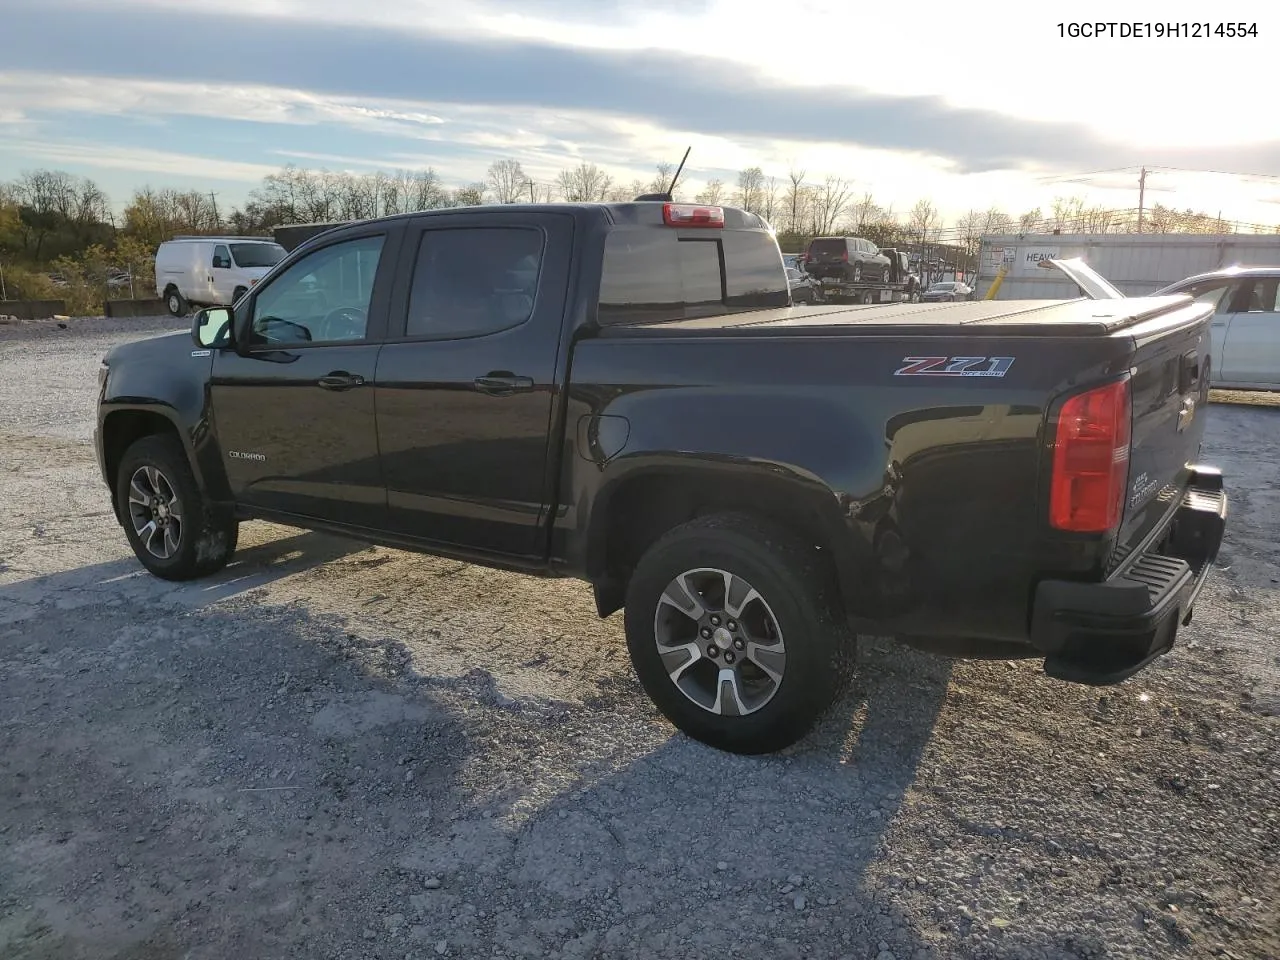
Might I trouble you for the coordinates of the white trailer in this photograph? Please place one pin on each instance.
(1137, 264)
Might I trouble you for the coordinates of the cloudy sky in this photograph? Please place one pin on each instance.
(968, 105)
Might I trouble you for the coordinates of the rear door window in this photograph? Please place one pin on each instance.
(473, 281)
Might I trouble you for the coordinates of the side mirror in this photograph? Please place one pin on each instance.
(211, 327)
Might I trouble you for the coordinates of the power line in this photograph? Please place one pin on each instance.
(1220, 173)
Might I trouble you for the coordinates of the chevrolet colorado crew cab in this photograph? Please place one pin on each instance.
(623, 393)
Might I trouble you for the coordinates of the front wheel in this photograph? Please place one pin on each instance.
(732, 631)
(166, 519)
(175, 302)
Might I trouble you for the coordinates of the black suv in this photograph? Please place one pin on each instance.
(851, 259)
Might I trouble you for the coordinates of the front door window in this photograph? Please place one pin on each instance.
(323, 298)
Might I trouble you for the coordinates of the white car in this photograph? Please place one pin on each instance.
(947, 290)
(211, 271)
(1245, 331)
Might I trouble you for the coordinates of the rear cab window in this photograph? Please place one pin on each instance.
(828, 247)
(656, 274)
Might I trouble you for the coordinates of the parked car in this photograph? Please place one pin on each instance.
(848, 259)
(211, 271)
(754, 484)
(947, 290)
(803, 288)
(1245, 330)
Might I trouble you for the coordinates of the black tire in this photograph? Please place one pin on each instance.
(857, 273)
(204, 543)
(797, 588)
(176, 302)
(237, 294)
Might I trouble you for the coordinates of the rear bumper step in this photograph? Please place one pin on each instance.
(1104, 633)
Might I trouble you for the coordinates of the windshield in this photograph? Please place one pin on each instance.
(943, 286)
(257, 254)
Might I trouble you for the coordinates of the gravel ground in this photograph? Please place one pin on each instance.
(332, 751)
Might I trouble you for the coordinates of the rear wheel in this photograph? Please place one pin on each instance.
(239, 292)
(857, 273)
(173, 532)
(175, 302)
(732, 631)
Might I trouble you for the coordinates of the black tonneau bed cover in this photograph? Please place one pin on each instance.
(1083, 317)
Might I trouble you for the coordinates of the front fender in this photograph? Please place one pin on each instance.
(152, 380)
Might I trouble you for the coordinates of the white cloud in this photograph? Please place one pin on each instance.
(1149, 92)
(460, 140)
(108, 157)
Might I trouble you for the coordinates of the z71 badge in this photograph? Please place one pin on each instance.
(954, 367)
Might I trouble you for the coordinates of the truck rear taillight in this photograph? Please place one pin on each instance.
(845, 256)
(692, 215)
(1091, 460)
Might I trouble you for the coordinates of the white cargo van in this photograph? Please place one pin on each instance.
(211, 271)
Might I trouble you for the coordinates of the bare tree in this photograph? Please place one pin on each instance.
(1098, 220)
(469, 196)
(769, 201)
(923, 221)
(797, 200)
(425, 192)
(660, 181)
(54, 201)
(750, 193)
(1031, 220)
(712, 193)
(995, 221)
(863, 212)
(1068, 214)
(507, 181)
(584, 183)
(830, 201)
(969, 228)
(541, 192)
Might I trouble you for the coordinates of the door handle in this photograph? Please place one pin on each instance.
(503, 384)
(341, 380)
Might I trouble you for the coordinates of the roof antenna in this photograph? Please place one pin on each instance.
(667, 196)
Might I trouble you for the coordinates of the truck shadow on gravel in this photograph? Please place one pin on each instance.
(781, 856)
(220, 777)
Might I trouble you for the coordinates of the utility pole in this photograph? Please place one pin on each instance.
(1142, 195)
(213, 198)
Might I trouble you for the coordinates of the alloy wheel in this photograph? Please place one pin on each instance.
(719, 642)
(155, 511)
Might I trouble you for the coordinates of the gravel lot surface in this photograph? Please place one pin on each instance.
(332, 751)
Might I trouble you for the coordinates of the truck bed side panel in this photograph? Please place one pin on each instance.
(928, 479)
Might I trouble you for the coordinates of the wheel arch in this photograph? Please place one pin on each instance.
(635, 510)
(124, 426)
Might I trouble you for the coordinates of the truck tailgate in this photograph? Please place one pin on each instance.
(1169, 390)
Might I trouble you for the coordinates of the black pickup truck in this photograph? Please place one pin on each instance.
(623, 393)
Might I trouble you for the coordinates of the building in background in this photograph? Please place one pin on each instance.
(1137, 264)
